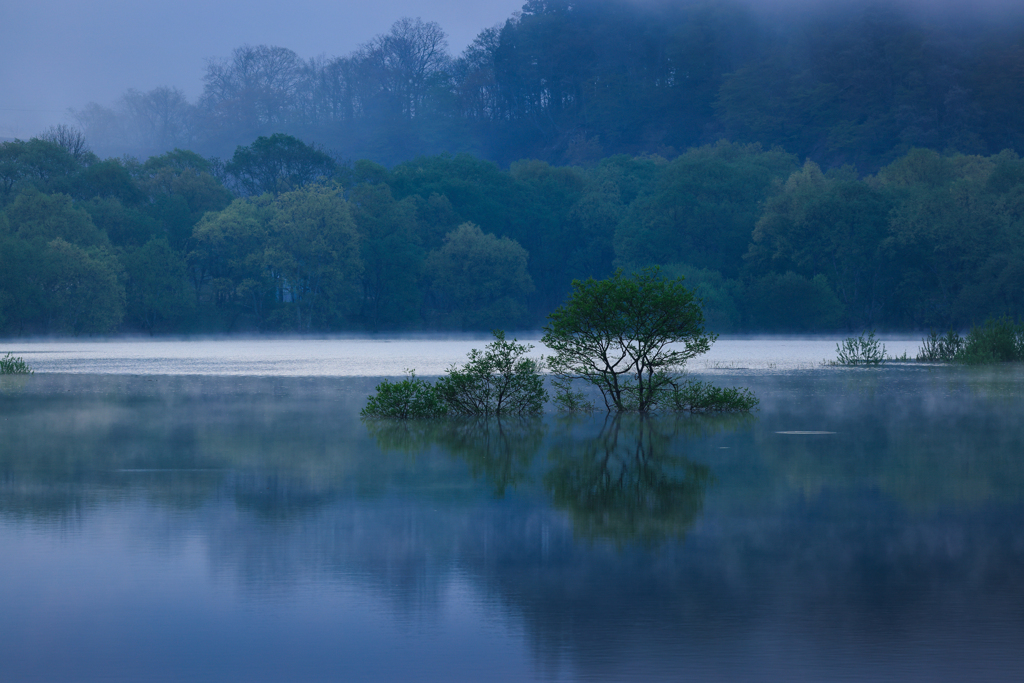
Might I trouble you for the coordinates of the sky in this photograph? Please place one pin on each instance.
(61, 54)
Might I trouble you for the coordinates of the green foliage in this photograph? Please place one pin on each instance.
(788, 302)
(477, 280)
(156, 288)
(278, 164)
(832, 225)
(45, 217)
(391, 254)
(703, 397)
(500, 380)
(14, 365)
(406, 399)
(569, 400)
(999, 340)
(702, 208)
(862, 350)
(945, 348)
(623, 335)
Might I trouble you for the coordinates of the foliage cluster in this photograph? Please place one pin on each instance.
(695, 396)
(628, 336)
(409, 398)
(998, 340)
(862, 350)
(936, 348)
(455, 243)
(14, 365)
(500, 380)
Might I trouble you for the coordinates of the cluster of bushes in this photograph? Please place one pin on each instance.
(500, 380)
(629, 336)
(999, 340)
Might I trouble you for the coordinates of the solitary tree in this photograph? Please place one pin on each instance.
(628, 335)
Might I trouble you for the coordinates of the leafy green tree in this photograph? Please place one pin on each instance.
(278, 164)
(156, 287)
(703, 207)
(792, 303)
(314, 249)
(181, 188)
(478, 280)
(627, 335)
(411, 397)
(81, 290)
(37, 216)
(123, 225)
(38, 164)
(833, 225)
(227, 249)
(391, 254)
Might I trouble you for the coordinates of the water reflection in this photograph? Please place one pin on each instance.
(261, 527)
(498, 450)
(629, 482)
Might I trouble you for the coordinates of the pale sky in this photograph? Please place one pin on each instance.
(56, 54)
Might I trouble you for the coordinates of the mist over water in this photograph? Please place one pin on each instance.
(376, 357)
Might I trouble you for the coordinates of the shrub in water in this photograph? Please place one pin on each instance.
(13, 365)
(500, 380)
(862, 350)
(704, 397)
(999, 340)
(409, 398)
(941, 349)
(568, 400)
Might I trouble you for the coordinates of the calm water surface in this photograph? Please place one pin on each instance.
(227, 526)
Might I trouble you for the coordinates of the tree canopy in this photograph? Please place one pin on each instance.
(628, 335)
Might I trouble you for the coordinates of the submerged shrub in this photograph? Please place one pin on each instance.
(568, 400)
(862, 350)
(941, 349)
(500, 380)
(410, 398)
(999, 340)
(14, 365)
(704, 397)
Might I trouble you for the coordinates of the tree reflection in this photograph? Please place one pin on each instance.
(499, 450)
(627, 484)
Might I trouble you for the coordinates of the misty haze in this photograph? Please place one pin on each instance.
(606, 340)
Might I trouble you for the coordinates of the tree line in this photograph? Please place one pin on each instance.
(282, 238)
(573, 81)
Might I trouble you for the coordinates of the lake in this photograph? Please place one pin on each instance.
(217, 511)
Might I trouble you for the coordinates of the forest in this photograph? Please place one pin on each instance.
(820, 172)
